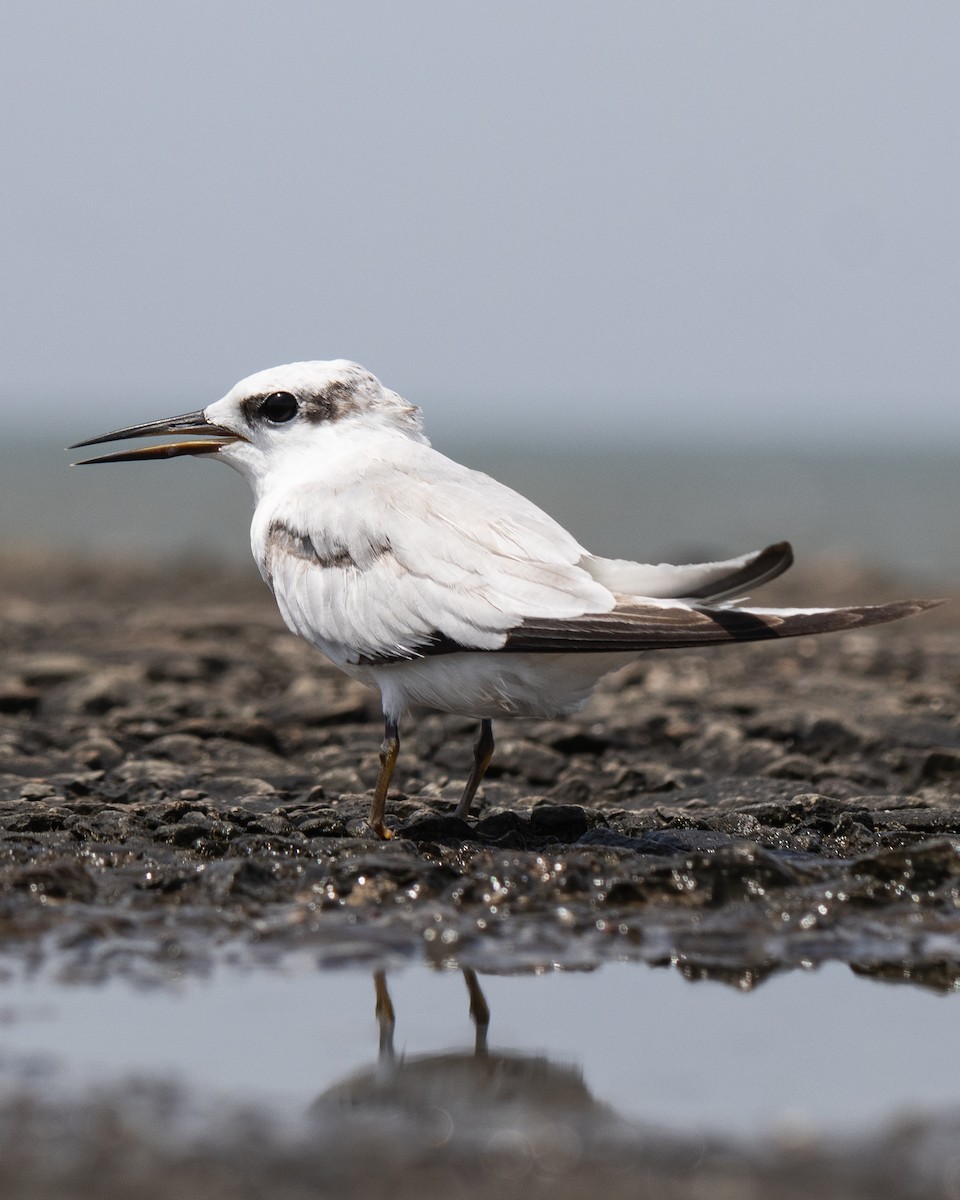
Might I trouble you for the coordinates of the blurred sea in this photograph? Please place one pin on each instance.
(894, 511)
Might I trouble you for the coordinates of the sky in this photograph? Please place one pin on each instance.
(538, 219)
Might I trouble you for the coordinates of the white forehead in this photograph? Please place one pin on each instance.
(306, 378)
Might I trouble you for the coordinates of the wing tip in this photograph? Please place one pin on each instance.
(882, 614)
(911, 608)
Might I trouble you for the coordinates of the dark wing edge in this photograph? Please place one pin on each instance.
(765, 565)
(637, 627)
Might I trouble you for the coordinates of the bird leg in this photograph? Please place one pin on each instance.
(482, 753)
(385, 1016)
(389, 749)
(479, 1010)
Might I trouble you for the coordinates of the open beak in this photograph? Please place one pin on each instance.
(215, 437)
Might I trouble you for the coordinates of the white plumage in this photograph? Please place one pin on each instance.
(437, 584)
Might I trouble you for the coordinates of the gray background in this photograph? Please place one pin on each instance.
(718, 222)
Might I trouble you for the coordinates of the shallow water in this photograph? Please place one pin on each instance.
(809, 1052)
(892, 510)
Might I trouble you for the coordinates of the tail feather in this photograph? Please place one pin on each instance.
(698, 581)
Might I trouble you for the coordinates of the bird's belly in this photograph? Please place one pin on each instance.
(493, 684)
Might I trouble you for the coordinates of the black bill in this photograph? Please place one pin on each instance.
(215, 437)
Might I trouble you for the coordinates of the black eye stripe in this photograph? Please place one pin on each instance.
(279, 407)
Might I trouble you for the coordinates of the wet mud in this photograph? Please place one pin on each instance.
(179, 774)
(182, 781)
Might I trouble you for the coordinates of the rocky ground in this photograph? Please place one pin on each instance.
(178, 774)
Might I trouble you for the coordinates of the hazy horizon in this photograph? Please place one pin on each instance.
(891, 510)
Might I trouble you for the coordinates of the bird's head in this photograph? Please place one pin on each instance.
(273, 417)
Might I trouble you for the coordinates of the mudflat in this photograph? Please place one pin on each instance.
(181, 777)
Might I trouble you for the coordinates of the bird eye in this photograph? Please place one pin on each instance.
(279, 407)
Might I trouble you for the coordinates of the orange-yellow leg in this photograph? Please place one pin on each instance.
(389, 749)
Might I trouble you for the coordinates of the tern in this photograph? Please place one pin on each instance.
(438, 585)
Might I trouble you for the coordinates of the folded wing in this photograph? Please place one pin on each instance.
(445, 555)
(635, 626)
(450, 560)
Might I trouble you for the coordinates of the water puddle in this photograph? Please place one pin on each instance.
(809, 1051)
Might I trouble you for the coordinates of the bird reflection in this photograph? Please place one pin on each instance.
(386, 1018)
(465, 1098)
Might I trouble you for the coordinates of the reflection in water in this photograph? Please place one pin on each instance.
(386, 1018)
(937, 976)
(676, 1060)
(520, 1126)
(517, 1101)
